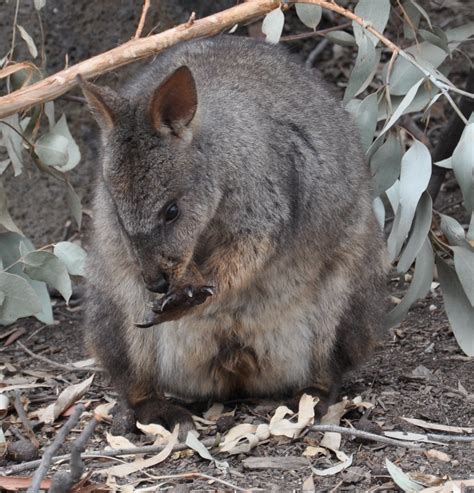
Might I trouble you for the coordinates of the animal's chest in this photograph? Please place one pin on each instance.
(222, 357)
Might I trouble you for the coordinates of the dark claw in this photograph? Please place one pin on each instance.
(188, 290)
(149, 321)
(208, 289)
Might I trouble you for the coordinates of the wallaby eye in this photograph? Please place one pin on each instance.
(171, 213)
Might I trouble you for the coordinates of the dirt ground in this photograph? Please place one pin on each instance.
(418, 371)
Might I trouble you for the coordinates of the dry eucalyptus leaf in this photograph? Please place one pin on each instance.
(308, 485)
(279, 425)
(214, 412)
(118, 442)
(311, 451)
(436, 426)
(4, 405)
(331, 471)
(123, 470)
(438, 455)
(102, 411)
(66, 399)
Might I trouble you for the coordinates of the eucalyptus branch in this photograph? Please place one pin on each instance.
(54, 86)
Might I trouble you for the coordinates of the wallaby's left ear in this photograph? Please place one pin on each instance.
(103, 103)
(174, 102)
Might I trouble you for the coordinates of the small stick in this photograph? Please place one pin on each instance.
(49, 453)
(141, 24)
(20, 410)
(319, 32)
(148, 449)
(200, 475)
(64, 480)
(51, 362)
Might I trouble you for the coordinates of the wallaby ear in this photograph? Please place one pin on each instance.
(101, 101)
(174, 102)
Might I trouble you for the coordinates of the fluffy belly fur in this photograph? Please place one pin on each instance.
(224, 357)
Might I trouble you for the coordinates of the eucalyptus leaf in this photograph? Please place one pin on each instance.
(49, 111)
(376, 14)
(458, 308)
(28, 40)
(405, 75)
(5, 219)
(464, 265)
(309, 14)
(39, 4)
(414, 178)
(393, 195)
(52, 149)
(445, 163)
(20, 299)
(385, 164)
(72, 256)
(401, 479)
(422, 12)
(419, 287)
(11, 139)
(272, 26)
(463, 165)
(4, 164)
(366, 120)
(74, 203)
(341, 38)
(418, 234)
(73, 152)
(410, 24)
(453, 230)
(404, 105)
(435, 40)
(364, 66)
(379, 211)
(44, 266)
(10, 246)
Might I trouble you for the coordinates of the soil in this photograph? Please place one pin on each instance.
(418, 371)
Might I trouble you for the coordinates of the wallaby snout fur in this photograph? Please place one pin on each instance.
(226, 163)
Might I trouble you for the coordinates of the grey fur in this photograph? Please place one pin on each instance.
(272, 183)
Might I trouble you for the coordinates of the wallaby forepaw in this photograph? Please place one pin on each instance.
(175, 304)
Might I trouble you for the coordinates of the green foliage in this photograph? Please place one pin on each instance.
(401, 166)
(28, 140)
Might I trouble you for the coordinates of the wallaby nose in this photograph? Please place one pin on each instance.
(160, 285)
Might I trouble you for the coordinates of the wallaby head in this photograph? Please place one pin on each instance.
(164, 194)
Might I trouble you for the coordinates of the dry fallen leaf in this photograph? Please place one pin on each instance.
(4, 405)
(436, 426)
(308, 485)
(438, 455)
(102, 411)
(311, 451)
(161, 434)
(279, 425)
(118, 442)
(331, 471)
(124, 470)
(459, 485)
(66, 398)
(214, 412)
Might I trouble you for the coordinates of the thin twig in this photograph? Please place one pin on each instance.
(64, 480)
(51, 362)
(20, 410)
(149, 449)
(50, 452)
(200, 475)
(364, 434)
(316, 53)
(141, 24)
(319, 32)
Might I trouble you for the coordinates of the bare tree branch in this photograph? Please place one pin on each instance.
(56, 85)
